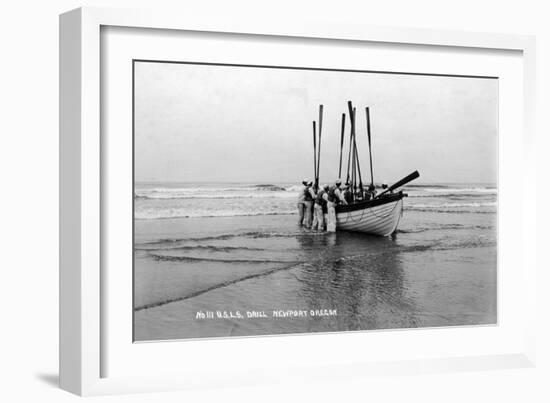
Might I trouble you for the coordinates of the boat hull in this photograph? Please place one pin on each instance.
(377, 217)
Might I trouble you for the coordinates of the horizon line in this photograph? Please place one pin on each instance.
(298, 182)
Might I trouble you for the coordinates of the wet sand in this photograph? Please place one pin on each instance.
(439, 270)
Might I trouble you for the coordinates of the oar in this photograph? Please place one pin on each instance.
(402, 182)
(314, 152)
(350, 111)
(342, 143)
(319, 150)
(349, 154)
(357, 163)
(353, 160)
(370, 150)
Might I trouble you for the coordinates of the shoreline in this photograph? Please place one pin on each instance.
(440, 270)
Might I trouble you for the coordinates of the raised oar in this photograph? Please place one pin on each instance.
(342, 143)
(357, 163)
(314, 152)
(370, 150)
(319, 151)
(402, 182)
(353, 160)
(350, 111)
(349, 154)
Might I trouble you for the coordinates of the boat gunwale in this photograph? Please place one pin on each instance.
(392, 197)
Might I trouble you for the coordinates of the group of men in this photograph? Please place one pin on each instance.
(317, 207)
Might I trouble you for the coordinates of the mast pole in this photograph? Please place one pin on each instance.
(349, 154)
(358, 167)
(354, 154)
(314, 152)
(351, 117)
(319, 150)
(370, 148)
(342, 143)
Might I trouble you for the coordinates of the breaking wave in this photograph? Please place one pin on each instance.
(452, 205)
(165, 214)
(165, 201)
(217, 192)
(450, 190)
(235, 195)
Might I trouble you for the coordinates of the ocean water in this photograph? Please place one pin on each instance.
(178, 200)
(235, 251)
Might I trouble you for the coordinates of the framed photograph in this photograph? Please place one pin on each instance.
(250, 197)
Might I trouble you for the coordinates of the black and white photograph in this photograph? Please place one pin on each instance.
(295, 201)
(271, 200)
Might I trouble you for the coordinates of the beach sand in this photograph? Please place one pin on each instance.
(439, 270)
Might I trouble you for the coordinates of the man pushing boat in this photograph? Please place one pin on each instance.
(305, 204)
(357, 206)
(335, 197)
(320, 209)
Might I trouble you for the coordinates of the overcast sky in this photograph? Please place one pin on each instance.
(198, 123)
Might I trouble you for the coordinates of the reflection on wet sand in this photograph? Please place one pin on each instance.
(346, 274)
(432, 274)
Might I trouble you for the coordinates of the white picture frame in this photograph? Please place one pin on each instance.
(82, 307)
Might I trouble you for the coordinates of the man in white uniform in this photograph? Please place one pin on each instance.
(320, 208)
(309, 197)
(335, 197)
(301, 205)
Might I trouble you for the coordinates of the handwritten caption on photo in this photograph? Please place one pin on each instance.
(277, 313)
